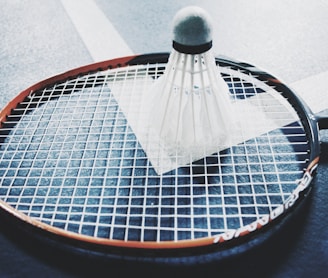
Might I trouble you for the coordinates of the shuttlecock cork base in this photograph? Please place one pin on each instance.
(192, 31)
(190, 111)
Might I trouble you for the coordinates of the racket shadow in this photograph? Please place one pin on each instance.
(261, 256)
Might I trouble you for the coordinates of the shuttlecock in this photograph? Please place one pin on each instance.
(190, 107)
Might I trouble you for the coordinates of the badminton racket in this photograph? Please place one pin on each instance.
(72, 168)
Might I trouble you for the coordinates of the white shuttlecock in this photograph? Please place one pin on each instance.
(190, 104)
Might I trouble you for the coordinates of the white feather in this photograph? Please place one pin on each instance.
(189, 106)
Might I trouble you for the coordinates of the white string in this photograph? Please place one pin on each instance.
(118, 196)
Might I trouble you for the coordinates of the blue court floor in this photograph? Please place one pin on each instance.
(287, 38)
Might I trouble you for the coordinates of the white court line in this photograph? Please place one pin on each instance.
(104, 42)
(97, 32)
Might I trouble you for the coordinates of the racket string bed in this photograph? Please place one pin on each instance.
(71, 159)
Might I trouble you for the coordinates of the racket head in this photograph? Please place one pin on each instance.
(147, 208)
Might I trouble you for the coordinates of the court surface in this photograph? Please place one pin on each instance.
(287, 38)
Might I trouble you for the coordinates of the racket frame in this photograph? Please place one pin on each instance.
(310, 122)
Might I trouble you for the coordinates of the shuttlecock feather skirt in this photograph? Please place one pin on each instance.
(190, 110)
